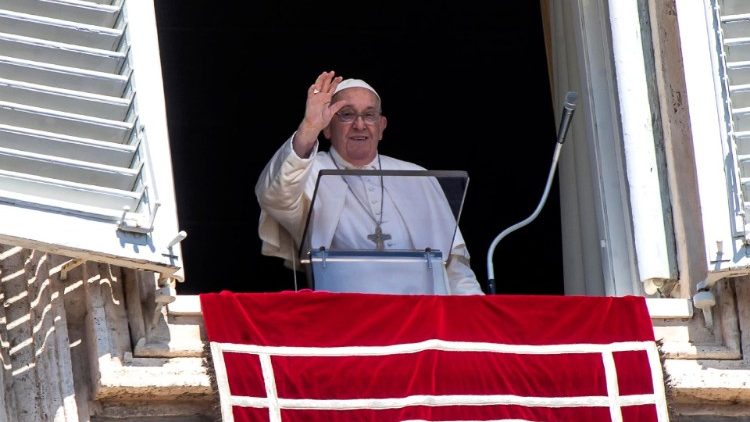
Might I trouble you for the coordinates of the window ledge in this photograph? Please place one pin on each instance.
(666, 308)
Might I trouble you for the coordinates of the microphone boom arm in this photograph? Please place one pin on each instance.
(529, 219)
(569, 108)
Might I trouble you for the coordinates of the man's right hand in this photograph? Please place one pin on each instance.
(318, 112)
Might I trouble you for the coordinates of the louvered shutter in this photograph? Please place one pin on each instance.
(84, 156)
(734, 38)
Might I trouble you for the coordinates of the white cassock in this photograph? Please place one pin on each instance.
(285, 189)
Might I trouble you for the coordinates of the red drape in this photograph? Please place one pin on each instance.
(317, 356)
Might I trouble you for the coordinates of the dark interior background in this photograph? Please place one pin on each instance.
(464, 86)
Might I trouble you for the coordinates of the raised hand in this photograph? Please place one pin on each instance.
(318, 112)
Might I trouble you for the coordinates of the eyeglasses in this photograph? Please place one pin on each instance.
(347, 116)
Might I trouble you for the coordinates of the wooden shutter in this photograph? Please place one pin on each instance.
(81, 127)
(734, 65)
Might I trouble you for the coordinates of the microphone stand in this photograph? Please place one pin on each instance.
(568, 109)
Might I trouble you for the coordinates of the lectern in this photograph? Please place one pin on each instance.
(428, 203)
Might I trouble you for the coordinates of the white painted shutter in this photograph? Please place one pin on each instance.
(82, 127)
(734, 39)
(715, 37)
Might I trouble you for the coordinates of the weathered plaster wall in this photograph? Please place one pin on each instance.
(68, 351)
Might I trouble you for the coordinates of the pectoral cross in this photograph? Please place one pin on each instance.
(379, 238)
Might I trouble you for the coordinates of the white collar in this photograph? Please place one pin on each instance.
(339, 160)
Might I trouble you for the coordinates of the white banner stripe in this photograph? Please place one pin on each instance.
(274, 412)
(435, 344)
(657, 379)
(443, 400)
(222, 382)
(613, 389)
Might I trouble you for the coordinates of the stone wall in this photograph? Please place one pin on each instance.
(86, 341)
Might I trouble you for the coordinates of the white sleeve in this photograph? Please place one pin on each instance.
(461, 278)
(281, 194)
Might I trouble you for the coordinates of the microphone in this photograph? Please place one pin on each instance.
(568, 108)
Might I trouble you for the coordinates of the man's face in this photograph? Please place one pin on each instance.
(357, 140)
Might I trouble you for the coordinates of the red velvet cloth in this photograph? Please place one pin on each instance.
(364, 357)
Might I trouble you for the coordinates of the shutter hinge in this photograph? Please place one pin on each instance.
(137, 225)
